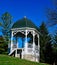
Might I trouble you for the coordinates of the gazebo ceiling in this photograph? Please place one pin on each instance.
(24, 23)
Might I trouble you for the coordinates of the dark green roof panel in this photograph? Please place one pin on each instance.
(24, 23)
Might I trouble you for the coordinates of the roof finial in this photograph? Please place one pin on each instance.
(24, 16)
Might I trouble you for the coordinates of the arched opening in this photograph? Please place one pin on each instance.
(19, 37)
(36, 40)
(30, 38)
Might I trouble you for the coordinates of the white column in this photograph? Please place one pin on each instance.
(33, 40)
(26, 42)
(22, 53)
(26, 36)
(34, 58)
(38, 48)
(11, 40)
(16, 53)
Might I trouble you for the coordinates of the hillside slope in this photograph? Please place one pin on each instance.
(7, 60)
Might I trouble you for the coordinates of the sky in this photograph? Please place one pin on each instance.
(34, 10)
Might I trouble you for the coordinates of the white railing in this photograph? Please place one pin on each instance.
(36, 49)
(30, 45)
(30, 49)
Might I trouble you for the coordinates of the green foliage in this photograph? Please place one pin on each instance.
(7, 60)
(52, 20)
(55, 48)
(48, 53)
(3, 46)
(44, 39)
(6, 25)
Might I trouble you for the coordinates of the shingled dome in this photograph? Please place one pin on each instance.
(24, 23)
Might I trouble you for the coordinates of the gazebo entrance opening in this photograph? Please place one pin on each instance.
(20, 39)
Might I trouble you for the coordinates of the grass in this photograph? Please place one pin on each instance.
(7, 60)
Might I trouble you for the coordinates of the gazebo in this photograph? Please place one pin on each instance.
(25, 40)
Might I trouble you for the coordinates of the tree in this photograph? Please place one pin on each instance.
(44, 38)
(55, 48)
(52, 14)
(44, 32)
(1, 45)
(48, 53)
(6, 25)
(52, 18)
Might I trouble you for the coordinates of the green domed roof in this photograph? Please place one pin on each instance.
(24, 23)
